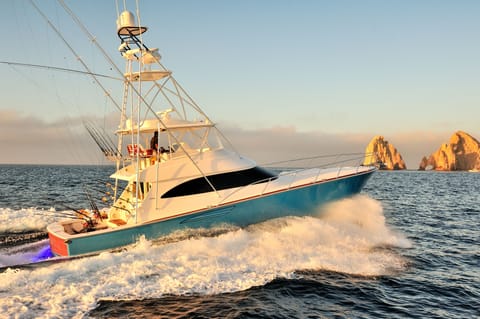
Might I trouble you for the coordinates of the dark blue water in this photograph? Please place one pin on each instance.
(408, 247)
(45, 186)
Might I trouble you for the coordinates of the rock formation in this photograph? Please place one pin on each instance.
(461, 154)
(380, 152)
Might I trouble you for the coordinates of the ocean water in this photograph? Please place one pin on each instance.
(408, 246)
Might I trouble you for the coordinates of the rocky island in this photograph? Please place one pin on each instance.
(461, 154)
(383, 154)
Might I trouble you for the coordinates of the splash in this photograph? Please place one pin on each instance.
(362, 217)
(345, 238)
(25, 220)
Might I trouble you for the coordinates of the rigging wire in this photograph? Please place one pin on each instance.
(74, 52)
(25, 76)
(49, 67)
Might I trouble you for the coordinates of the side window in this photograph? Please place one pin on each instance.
(221, 181)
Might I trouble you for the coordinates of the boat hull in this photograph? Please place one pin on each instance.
(300, 201)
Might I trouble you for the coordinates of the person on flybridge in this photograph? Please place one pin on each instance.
(154, 142)
(155, 148)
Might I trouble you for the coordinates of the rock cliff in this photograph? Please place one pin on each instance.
(384, 153)
(461, 154)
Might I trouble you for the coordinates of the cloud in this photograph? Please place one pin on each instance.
(29, 140)
(26, 139)
(282, 143)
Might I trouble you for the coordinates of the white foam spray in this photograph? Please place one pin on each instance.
(344, 238)
(362, 217)
(25, 219)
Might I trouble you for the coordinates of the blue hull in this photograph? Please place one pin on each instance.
(300, 201)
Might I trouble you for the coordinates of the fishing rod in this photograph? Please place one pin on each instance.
(95, 208)
(104, 192)
(106, 183)
(106, 149)
(60, 214)
(55, 214)
(122, 208)
(93, 205)
(104, 199)
(102, 140)
(97, 141)
(85, 215)
(108, 194)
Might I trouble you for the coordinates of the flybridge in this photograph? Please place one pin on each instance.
(167, 123)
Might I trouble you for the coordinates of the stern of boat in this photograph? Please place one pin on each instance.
(58, 240)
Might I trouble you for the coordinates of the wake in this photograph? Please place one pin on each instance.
(25, 220)
(344, 237)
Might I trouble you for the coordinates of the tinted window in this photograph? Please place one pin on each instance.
(221, 181)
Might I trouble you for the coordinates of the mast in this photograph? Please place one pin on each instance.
(164, 90)
(127, 31)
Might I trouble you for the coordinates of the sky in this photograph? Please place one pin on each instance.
(282, 78)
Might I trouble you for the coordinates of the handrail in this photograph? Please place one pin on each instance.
(293, 173)
(358, 156)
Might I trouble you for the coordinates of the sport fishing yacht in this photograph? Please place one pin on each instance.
(175, 170)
